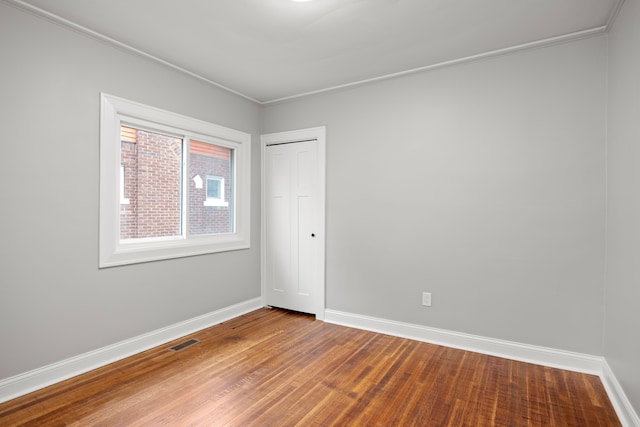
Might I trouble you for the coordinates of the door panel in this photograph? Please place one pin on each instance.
(305, 246)
(291, 206)
(280, 248)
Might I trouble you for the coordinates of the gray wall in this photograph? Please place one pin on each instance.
(54, 302)
(483, 183)
(622, 343)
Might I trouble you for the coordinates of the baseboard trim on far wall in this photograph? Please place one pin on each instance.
(578, 362)
(510, 350)
(27, 382)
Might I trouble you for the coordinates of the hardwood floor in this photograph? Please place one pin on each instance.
(276, 368)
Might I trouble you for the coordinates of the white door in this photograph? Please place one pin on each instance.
(293, 226)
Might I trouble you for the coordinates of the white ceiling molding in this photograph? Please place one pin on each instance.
(473, 58)
(614, 14)
(255, 81)
(101, 37)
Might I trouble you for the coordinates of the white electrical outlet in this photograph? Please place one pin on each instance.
(426, 299)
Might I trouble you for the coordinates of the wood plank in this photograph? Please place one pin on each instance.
(277, 368)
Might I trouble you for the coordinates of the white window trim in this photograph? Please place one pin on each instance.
(114, 252)
(215, 201)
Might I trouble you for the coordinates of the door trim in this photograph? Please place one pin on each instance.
(318, 134)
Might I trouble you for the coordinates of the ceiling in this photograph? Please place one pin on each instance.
(268, 50)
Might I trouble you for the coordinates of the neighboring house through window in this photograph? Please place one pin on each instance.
(158, 160)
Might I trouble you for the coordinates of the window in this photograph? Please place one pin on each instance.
(213, 188)
(170, 186)
(215, 191)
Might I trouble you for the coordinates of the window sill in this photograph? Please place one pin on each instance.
(215, 203)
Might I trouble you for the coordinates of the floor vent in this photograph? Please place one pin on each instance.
(184, 345)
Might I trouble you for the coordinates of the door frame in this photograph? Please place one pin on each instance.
(318, 134)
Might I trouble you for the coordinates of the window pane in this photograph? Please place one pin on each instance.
(213, 188)
(210, 205)
(152, 165)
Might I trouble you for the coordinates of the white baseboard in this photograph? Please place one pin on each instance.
(578, 362)
(27, 382)
(626, 413)
(510, 350)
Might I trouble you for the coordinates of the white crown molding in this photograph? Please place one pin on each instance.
(613, 15)
(101, 37)
(36, 379)
(473, 58)
(481, 56)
